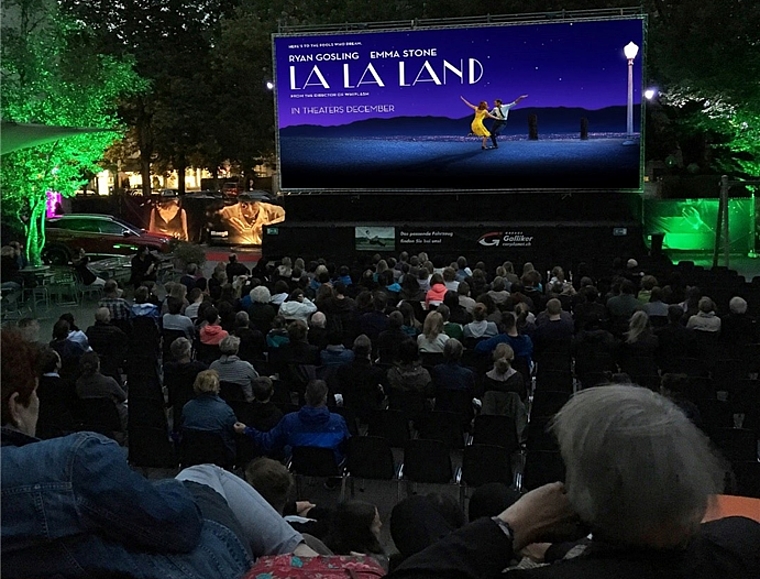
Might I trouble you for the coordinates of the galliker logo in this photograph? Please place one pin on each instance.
(506, 239)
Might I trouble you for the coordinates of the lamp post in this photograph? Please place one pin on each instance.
(630, 50)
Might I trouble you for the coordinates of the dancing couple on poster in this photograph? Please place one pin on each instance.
(499, 114)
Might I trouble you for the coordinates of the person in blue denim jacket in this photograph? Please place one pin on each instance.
(72, 507)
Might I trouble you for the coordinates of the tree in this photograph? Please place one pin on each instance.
(51, 75)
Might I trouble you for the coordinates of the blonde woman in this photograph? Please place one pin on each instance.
(503, 377)
(208, 412)
(432, 339)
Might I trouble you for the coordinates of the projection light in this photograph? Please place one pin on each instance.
(270, 85)
(631, 50)
(650, 93)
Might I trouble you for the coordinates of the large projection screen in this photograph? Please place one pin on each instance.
(383, 110)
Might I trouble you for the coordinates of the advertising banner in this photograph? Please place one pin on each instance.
(494, 107)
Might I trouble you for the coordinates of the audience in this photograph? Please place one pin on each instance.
(230, 369)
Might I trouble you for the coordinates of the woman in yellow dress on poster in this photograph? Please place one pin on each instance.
(477, 126)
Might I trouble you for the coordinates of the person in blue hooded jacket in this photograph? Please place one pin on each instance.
(312, 425)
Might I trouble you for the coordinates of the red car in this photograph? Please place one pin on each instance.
(98, 235)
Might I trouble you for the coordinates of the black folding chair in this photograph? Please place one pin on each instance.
(443, 426)
(97, 415)
(483, 464)
(542, 467)
(314, 461)
(496, 430)
(391, 425)
(369, 457)
(204, 447)
(426, 461)
(548, 402)
(231, 392)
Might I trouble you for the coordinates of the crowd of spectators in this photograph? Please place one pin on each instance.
(293, 354)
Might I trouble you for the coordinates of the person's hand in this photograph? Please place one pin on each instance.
(303, 507)
(536, 551)
(303, 550)
(239, 427)
(542, 512)
(524, 96)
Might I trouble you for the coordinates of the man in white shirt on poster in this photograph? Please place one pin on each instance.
(501, 111)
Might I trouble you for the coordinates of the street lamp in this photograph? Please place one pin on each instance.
(630, 50)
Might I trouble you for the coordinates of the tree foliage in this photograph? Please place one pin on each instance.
(52, 75)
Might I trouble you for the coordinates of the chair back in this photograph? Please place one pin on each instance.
(231, 392)
(207, 353)
(483, 464)
(457, 401)
(443, 426)
(370, 457)
(411, 403)
(98, 415)
(548, 402)
(542, 467)
(495, 430)
(427, 461)
(314, 461)
(150, 447)
(204, 447)
(391, 425)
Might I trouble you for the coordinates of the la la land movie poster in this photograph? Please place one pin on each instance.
(387, 111)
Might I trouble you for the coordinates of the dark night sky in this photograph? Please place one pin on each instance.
(577, 64)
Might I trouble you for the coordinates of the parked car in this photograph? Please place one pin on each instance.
(98, 235)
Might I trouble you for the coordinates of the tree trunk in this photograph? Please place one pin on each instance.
(35, 238)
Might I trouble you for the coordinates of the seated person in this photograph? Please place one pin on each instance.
(180, 375)
(144, 267)
(230, 368)
(143, 306)
(111, 521)
(503, 377)
(175, 321)
(86, 275)
(312, 425)
(265, 414)
(92, 384)
(479, 327)
(109, 342)
(360, 382)
(611, 439)
(208, 412)
(451, 375)
(355, 528)
(432, 338)
(211, 333)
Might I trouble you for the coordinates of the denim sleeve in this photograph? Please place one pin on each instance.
(115, 501)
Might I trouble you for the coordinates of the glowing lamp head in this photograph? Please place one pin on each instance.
(631, 50)
(650, 93)
(270, 85)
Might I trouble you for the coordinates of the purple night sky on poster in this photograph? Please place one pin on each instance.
(335, 79)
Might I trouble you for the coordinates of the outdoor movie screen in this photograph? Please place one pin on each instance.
(417, 110)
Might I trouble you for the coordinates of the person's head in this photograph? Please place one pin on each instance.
(452, 350)
(318, 320)
(174, 305)
(212, 315)
(191, 269)
(449, 274)
(229, 345)
(69, 317)
(355, 527)
(61, 330)
(272, 480)
(737, 305)
(483, 105)
(362, 346)
(297, 331)
(656, 295)
(627, 287)
(206, 382)
(433, 325)
(29, 329)
(49, 361)
(479, 312)
(554, 307)
(263, 387)
(509, 321)
(436, 279)
(179, 291)
(143, 251)
(637, 325)
(497, 103)
(445, 312)
(111, 288)
(675, 313)
(103, 315)
(705, 305)
(242, 319)
(648, 282)
(673, 385)
(18, 367)
(498, 284)
(408, 352)
(503, 356)
(89, 363)
(316, 393)
(181, 349)
(395, 320)
(463, 289)
(380, 301)
(232, 258)
(142, 294)
(614, 438)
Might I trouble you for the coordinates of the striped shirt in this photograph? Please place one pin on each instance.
(236, 371)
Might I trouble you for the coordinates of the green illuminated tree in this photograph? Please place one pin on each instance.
(52, 75)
